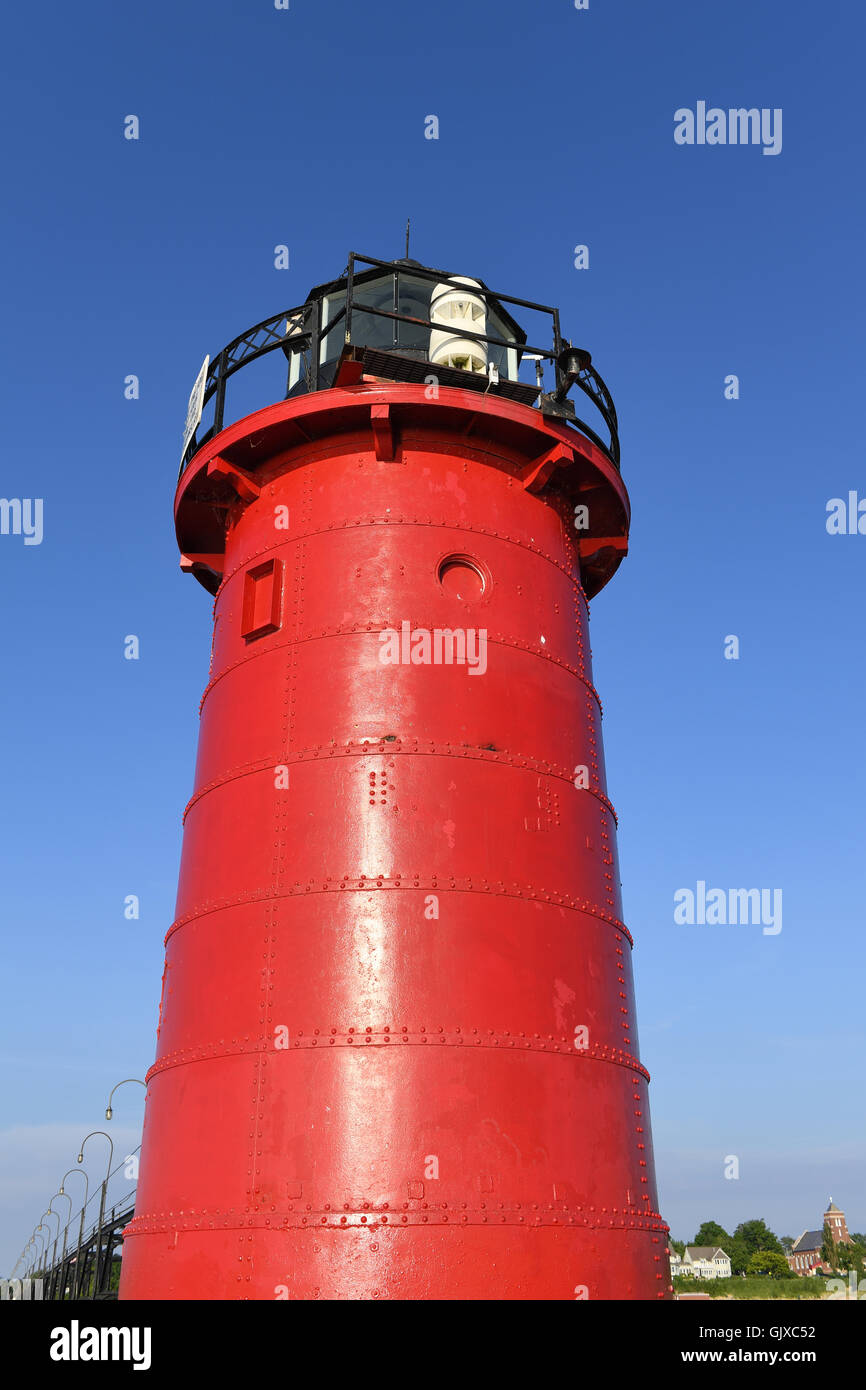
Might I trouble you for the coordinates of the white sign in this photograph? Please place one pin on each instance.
(195, 407)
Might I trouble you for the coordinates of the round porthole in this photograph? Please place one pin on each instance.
(462, 578)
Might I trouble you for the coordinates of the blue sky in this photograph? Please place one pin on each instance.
(306, 128)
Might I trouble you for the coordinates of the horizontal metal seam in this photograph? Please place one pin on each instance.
(361, 1041)
(304, 755)
(393, 522)
(391, 885)
(369, 629)
(355, 1219)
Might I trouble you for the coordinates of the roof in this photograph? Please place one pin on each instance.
(809, 1240)
(833, 1207)
(705, 1252)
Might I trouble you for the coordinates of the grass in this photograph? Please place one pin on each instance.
(812, 1287)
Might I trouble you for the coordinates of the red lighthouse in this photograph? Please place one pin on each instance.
(397, 1053)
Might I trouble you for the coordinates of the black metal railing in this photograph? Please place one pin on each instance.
(301, 332)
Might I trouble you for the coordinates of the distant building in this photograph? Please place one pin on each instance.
(705, 1262)
(804, 1257)
(835, 1219)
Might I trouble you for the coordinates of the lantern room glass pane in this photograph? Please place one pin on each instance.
(391, 335)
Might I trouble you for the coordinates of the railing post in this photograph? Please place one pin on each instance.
(99, 1259)
(220, 401)
(350, 282)
(76, 1284)
(557, 349)
(62, 1275)
(52, 1272)
(109, 1253)
(395, 305)
(316, 344)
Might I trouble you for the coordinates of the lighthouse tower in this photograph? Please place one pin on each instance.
(397, 1052)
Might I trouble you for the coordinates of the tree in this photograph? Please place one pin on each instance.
(768, 1263)
(739, 1255)
(747, 1240)
(850, 1257)
(756, 1235)
(711, 1233)
(678, 1245)
(829, 1252)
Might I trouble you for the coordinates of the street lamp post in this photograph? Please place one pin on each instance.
(80, 1172)
(80, 1159)
(41, 1255)
(49, 1211)
(133, 1080)
(129, 1081)
(61, 1193)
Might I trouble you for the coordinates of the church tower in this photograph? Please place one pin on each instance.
(835, 1219)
